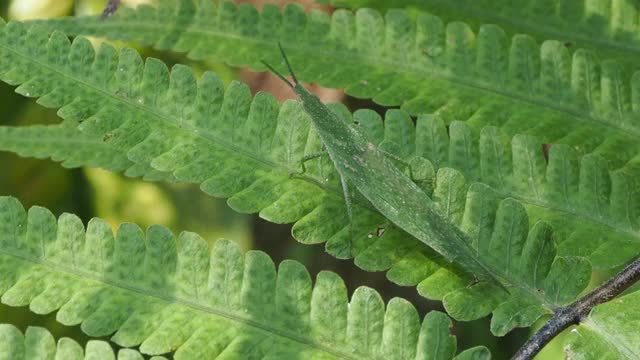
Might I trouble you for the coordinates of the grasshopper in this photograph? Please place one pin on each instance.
(375, 176)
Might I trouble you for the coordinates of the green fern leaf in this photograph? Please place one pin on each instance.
(73, 148)
(149, 291)
(198, 132)
(38, 343)
(609, 332)
(609, 27)
(422, 64)
(62, 143)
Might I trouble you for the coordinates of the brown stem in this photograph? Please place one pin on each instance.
(572, 314)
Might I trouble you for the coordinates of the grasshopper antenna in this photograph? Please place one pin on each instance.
(277, 73)
(286, 61)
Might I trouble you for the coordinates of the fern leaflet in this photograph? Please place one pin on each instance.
(65, 143)
(38, 343)
(165, 294)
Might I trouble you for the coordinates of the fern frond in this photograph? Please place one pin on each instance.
(619, 318)
(38, 343)
(423, 64)
(63, 143)
(66, 144)
(165, 295)
(201, 133)
(609, 27)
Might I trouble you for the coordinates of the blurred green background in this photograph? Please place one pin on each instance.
(95, 192)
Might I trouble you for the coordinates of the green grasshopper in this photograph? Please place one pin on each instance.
(383, 184)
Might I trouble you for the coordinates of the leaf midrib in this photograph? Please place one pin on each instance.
(65, 141)
(58, 267)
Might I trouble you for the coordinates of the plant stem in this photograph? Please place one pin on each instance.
(572, 314)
